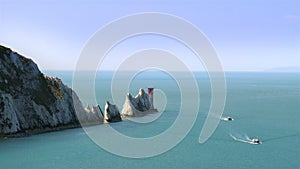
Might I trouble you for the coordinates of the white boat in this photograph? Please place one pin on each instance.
(228, 118)
(255, 141)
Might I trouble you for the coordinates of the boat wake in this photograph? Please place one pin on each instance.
(245, 139)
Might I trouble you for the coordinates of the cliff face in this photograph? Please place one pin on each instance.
(31, 100)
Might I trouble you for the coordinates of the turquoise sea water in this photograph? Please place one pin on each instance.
(266, 105)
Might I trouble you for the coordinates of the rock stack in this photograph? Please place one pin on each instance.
(139, 105)
(93, 115)
(112, 113)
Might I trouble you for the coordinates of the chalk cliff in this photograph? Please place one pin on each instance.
(31, 100)
(139, 105)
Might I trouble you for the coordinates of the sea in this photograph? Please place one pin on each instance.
(263, 104)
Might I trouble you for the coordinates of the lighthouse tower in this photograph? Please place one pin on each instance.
(150, 93)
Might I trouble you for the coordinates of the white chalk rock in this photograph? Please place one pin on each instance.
(139, 105)
(112, 113)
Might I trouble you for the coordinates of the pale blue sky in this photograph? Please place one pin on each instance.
(251, 35)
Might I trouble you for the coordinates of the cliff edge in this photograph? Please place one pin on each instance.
(31, 100)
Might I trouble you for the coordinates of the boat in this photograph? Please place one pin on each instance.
(255, 141)
(228, 118)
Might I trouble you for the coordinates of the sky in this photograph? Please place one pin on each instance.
(247, 35)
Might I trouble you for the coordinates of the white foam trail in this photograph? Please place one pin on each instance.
(241, 140)
(246, 140)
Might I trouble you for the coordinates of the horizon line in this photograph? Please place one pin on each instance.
(243, 71)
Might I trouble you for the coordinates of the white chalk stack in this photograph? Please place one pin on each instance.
(139, 105)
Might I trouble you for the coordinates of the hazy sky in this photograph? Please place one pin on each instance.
(251, 35)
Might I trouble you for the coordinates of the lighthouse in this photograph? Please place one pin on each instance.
(150, 93)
